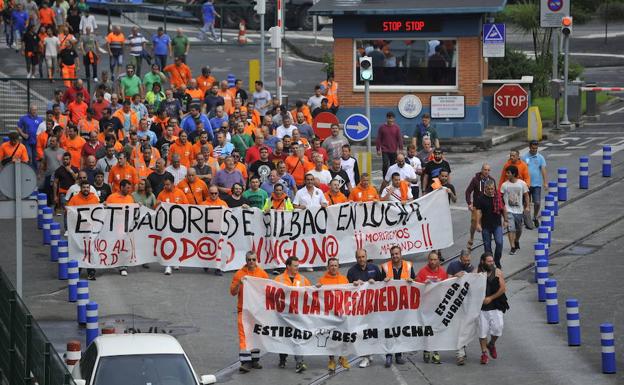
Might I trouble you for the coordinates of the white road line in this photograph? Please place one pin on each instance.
(559, 155)
(612, 112)
(614, 149)
(598, 124)
(399, 377)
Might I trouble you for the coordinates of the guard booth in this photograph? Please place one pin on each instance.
(427, 58)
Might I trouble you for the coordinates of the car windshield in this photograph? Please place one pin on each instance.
(144, 369)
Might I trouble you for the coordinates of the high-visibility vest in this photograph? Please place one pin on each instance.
(406, 269)
(332, 93)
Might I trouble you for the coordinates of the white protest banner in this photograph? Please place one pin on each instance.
(384, 317)
(215, 237)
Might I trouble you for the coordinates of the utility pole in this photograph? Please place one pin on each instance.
(566, 31)
(260, 9)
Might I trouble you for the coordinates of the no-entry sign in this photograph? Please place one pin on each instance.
(322, 124)
(511, 100)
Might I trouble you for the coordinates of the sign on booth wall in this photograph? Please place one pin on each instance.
(448, 107)
(494, 36)
(215, 237)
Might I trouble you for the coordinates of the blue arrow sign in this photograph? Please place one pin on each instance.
(357, 127)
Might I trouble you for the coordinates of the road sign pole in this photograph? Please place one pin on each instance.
(262, 38)
(18, 227)
(368, 115)
(555, 53)
(566, 40)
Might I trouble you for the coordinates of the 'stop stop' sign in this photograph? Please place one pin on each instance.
(511, 100)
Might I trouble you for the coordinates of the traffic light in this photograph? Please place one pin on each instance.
(566, 26)
(259, 6)
(366, 68)
(275, 37)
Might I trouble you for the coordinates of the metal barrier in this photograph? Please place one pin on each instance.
(26, 354)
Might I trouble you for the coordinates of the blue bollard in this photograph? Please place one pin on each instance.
(584, 173)
(42, 201)
(93, 329)
(573, 319)
(606, 161)
(607, 341)
(549, 203)
(543, 235)
(562, 184)
(47, 221)
(73, 275)
(63, 259)
(83, 299)
(55, 237)
(552, 305)
(539, 251)
(552, 221)
(231, 79)
(545, 218)
(541, 268)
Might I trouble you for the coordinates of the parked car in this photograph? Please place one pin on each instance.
(136, 359)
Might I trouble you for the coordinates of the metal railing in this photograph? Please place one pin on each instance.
(26, 355)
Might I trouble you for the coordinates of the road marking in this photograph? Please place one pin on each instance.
(612, 112)
(598, 124)
(399, 377)
(614, 149)
(559, 155)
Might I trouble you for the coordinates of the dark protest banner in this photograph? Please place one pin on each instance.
(384, 317)
(206, 236)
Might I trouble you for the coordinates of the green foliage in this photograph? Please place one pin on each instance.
(612, 11)
(328, 60)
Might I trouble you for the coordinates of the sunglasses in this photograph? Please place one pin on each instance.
(251, 260)
(214, 193)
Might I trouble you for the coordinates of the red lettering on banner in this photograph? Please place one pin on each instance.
(271, 251)
(403, 301)
(293, 306)
(103, 258)
(415, 298)
(347, 302)
(280, 300)
(338, 299)
(156, 238)
(316, 304)
(370, 295)
(392, 298)
(269, 297)
(174, 247)
(120, 246)
(382, 299)
(328, 302)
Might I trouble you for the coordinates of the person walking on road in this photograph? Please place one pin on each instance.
(249, 359)
(209, 15)
(115, 42)
(523, 169)
(494, 306)
(539, 178)
(389, 142)
(516, 197)
(458, 268)
(490, 208)
(475, 189)
(162, 47)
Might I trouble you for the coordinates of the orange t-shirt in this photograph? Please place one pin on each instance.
(228, 105)
(145, 170)
(195, 192)
(42, 144)
(46, 16)
(184, 150)
(85, 126)
(6, 149)
(118, 198)
(205, 82)
(298, 168)
(240, 166)
(338, 279)
(238, 277)
(81, 200)
(74, 147)
(335, 199)
(179, 75)
(298, 280)
(197, 148)
(118, 173)
(360, 194)
(77, 111)
(306, 114)
(174, 196)
(115, 42)
(214, 202)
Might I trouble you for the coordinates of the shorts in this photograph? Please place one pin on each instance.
(535, 192)
(117, 58)
(490, 323)
(516, 221)
(51, 61)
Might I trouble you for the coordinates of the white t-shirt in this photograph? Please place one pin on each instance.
(178, 173)
(315, 101)
(417, 166)
(512, 195)
(51, 44)
(303, 197)
(260, 99)
(406, 172)
(395, 195)
(349, 165)
(88, 21)
(324, 175)
(136, 44)
(282, 131)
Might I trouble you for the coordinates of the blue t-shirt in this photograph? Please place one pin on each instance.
(535, 163)
(188, 124)
(29, 125)
(216, 122)
(19, 20)
(208, 11)
(456, 266)
(161, 44)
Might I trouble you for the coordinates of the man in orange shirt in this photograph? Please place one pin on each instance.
(334, 196)
(127, 117)
(73, 144)
(179, 73)
(329, 88)
(85, 197)
(146, 163)
(205, 80)
(170, 194)
(213, 198)
(115, 43)
(203, 141)
(77, 109)
(88, 123)
(228, 100)
(248, 359)
(333, 277)
(523, 169)
(183, 148)
(122, 171)
(291, 277)
(364, 192)
(194, 188)
(123, 196)
(298, 165)
(46, 15)
(13, 150)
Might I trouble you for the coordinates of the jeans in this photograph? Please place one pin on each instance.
(31, 149)
(161, 60)
(387, 159)
(208, 27)
(8, 34)
(136, 61)
(487, 235)
(88, 66)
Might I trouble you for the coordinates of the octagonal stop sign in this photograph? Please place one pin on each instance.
(511, 100)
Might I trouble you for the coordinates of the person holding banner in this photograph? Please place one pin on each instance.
(333, 277)
(398, 191)
(291, 277)
(432, 272)
(279, 200)
(364, 192)
(123, 196)
(170, 194)
(396, 268)
(213, 197)
(310, 195)
(249, 359)
(334, 196)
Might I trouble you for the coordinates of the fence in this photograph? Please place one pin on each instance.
(26, 355)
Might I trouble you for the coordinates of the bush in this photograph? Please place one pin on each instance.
(612, 12)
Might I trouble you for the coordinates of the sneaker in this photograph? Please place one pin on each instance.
(512, 251)
(536, 222)
(461, 361)
(123, 273)
(492, 349)
(484, 358)
(245, 367)
(282, 364)
(275, 272)
(66, 233)
(435, 358)
(331, 366)
(426, 356)
(310, 269)
(399, 360)
(301, 367)
(365, 363)
(218, 272)
(517, 246)
(168, 270)
(388, 361)
(344, 362)
(91, 276)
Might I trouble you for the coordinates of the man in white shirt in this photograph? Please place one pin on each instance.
(323, 175)
(413, 160)
(286, 128)
(87, 20)
(350, 165)
(315, 100)
(398, 191)
(401, 167)
(176, 169)
(107, 162)
(309, 196)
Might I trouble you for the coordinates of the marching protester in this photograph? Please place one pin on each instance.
(494, 306)
(539, 178)
(490, 208)
(458, 268)
(516, 197)
(475, 189)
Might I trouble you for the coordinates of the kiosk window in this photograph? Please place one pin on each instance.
(419, 62)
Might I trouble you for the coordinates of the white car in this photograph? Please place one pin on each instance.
(136, 359)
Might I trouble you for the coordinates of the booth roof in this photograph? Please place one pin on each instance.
(405, 7)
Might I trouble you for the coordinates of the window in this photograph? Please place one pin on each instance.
(154, 369)
(400, 64)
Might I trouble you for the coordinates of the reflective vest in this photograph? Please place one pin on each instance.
(299, 280)
(406, 269)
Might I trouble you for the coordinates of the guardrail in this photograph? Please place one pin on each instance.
(26, 355)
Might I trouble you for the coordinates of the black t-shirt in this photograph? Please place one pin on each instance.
(342, 177)
(65, 179)
(452, 188)
(31, 42)
(103, 191)
(157, 181)
(489, 220)
(433, 170)
(231, 202)
(68, 56)
(212, 101)
(262, 169)
(205, 170)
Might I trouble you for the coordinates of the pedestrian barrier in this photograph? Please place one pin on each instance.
(584, 173)
(108, 329)
(606, 161)
(47, 221)
(545, 220)
(552, 304)
(93, 329)
(73, 275)
(540, 253)
(72, 356)
(607, 341)
(63, 259)
(543, 235)
(552, 220)
(573, 320)
(55, 237)
(42, 201)
(562, 184)
(549, 203)
(83, 299)
(541, 270)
